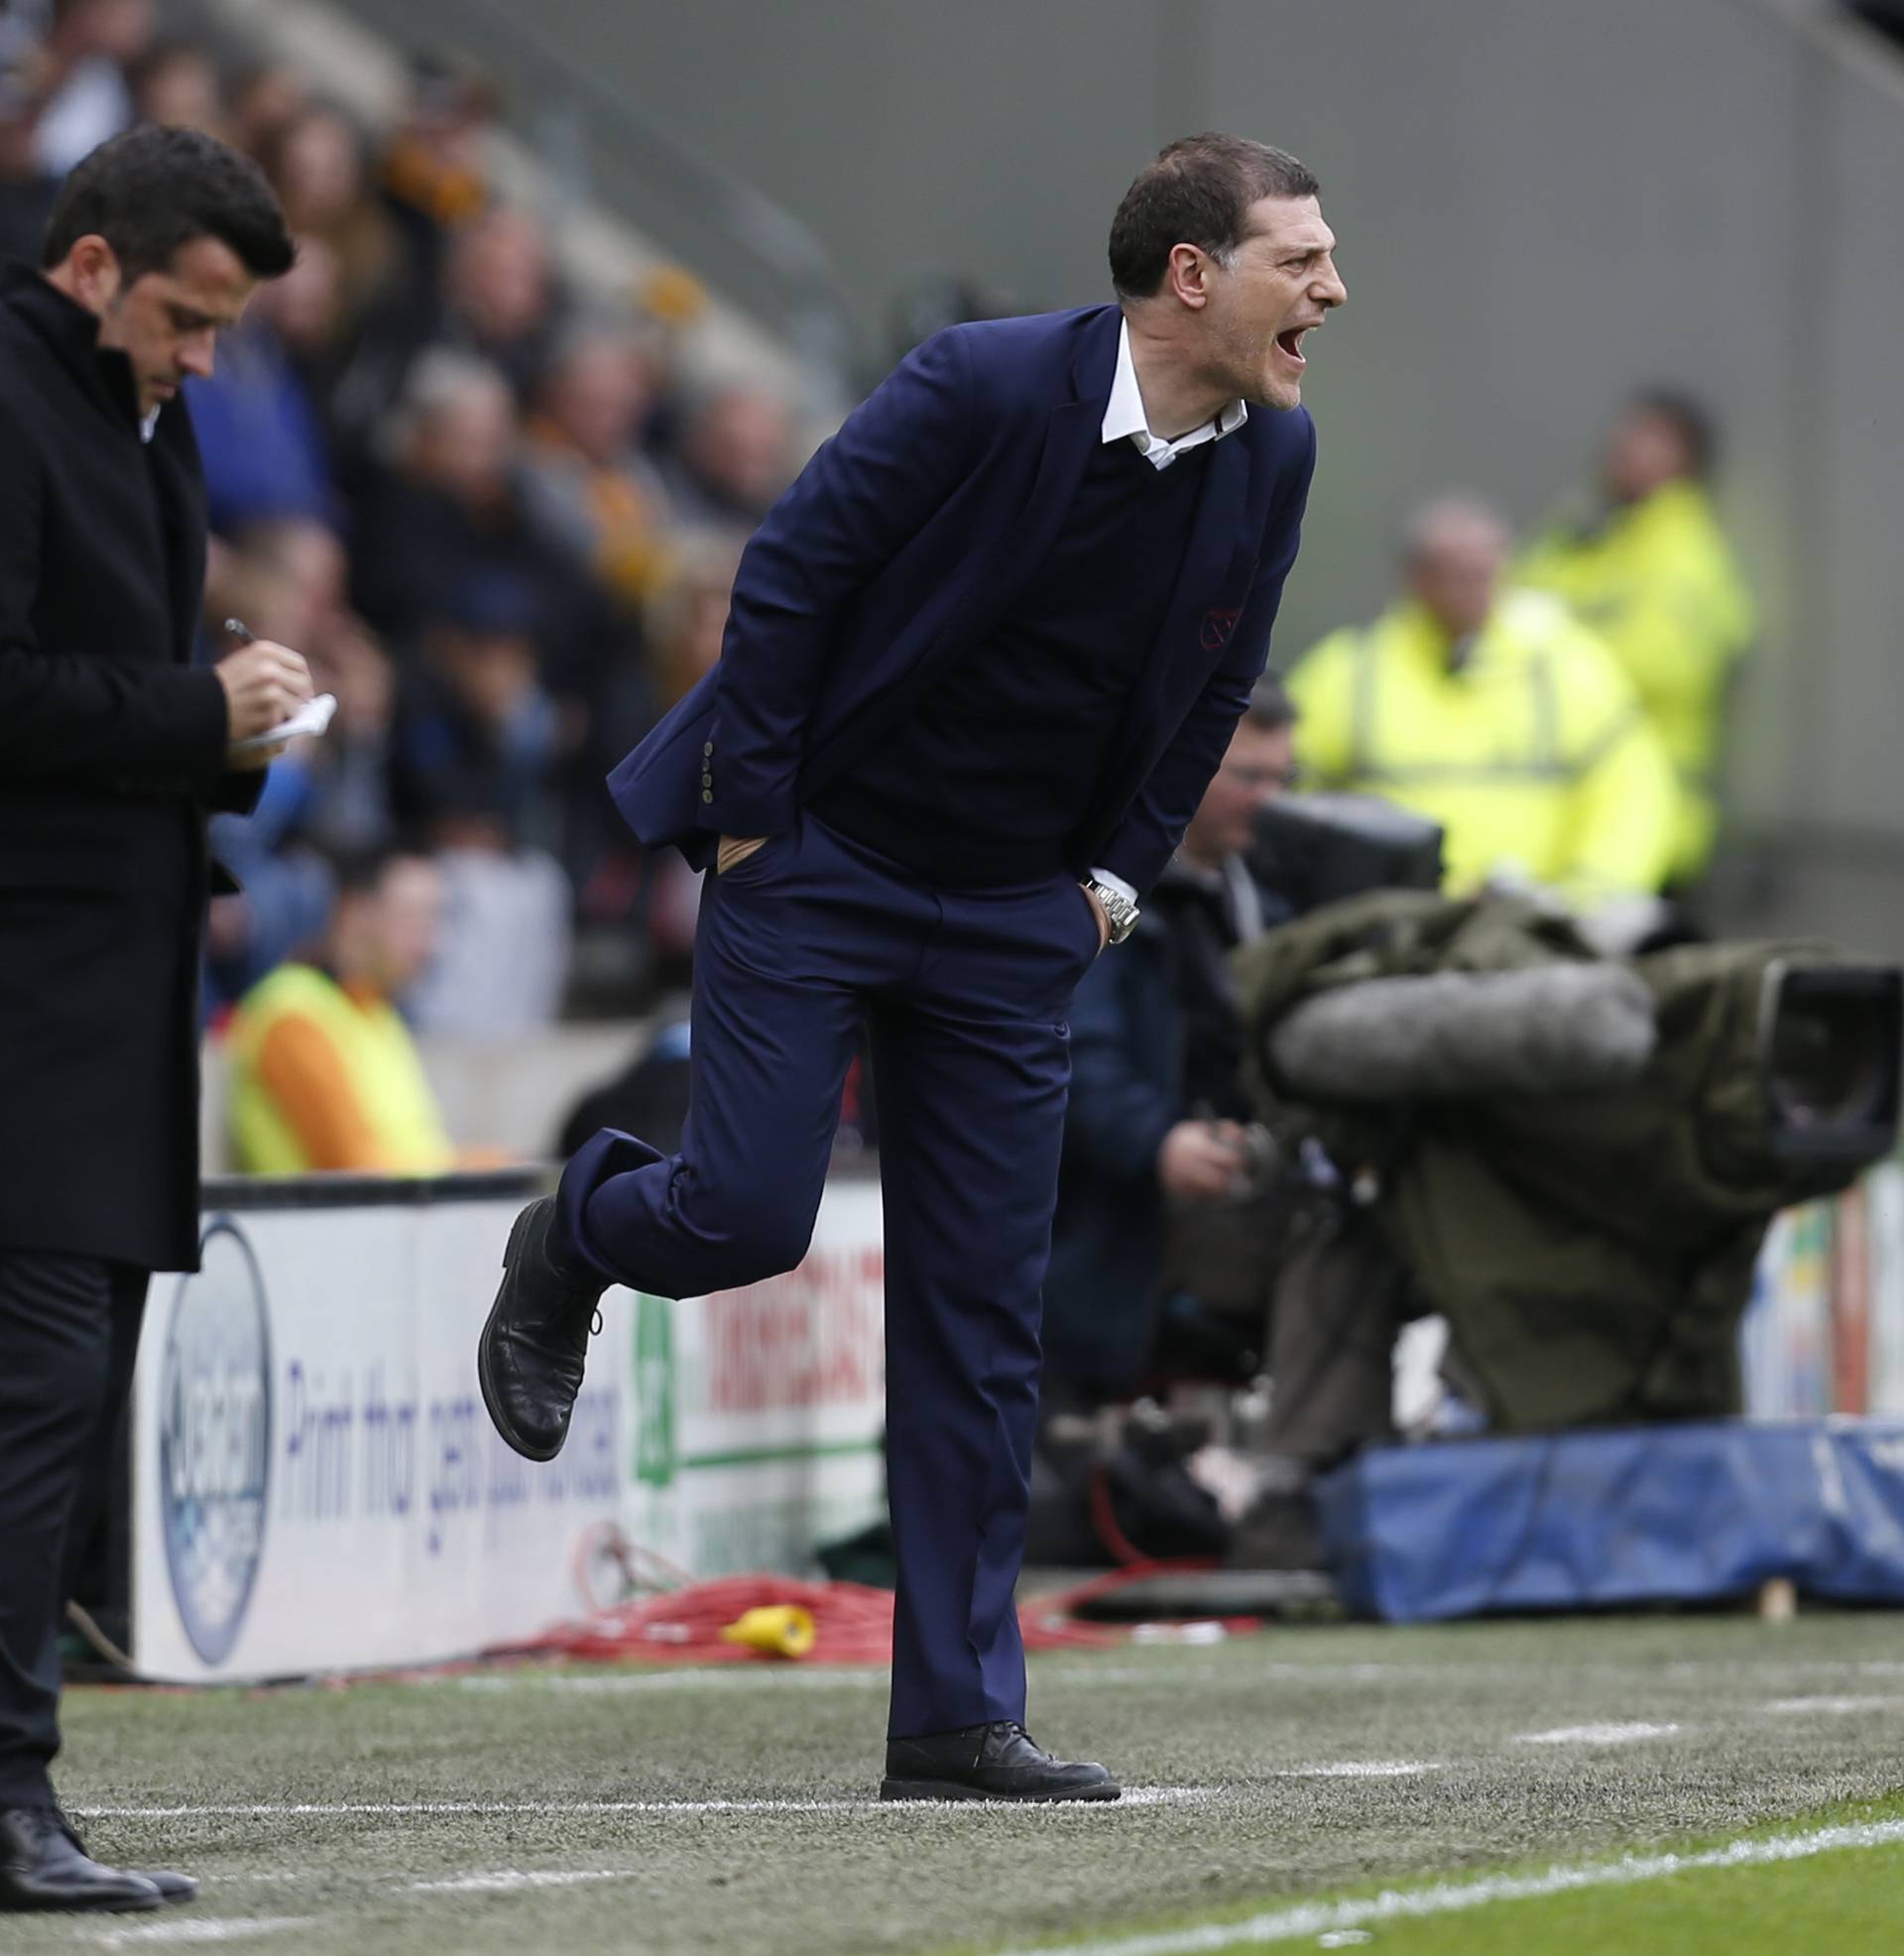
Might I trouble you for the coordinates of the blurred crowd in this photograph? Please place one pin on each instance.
(499, 514)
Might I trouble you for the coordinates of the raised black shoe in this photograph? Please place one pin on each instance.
(996, 1761)
(43, 1865)
(535, 1346)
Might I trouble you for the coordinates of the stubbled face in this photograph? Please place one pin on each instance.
(1280, 284)
(168, 322)
(1259, 765)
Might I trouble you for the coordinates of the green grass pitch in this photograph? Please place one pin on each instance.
(1466, 1788)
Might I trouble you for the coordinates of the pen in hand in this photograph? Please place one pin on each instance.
(265, 685)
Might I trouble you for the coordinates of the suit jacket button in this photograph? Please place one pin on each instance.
(707, 794)
(708, 748)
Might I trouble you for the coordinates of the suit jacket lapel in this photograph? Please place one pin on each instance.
(1007, 562)
(1072, 429)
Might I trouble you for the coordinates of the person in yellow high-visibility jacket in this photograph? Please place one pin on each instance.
(1498, 715)
(1646, 566)
(325, 1074)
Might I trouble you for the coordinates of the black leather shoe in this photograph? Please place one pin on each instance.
(43, 1865)
(531, 1356)
(170, 1887)
(998, 1762)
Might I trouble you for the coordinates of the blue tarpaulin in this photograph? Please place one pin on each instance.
(1599, 1520)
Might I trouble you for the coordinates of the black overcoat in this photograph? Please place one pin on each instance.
(112, 752)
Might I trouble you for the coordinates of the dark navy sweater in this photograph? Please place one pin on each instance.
(1016, 732)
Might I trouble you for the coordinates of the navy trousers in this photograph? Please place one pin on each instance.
(964, 994)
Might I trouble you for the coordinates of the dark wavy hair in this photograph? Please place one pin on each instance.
(1198, 191)
(153, 190)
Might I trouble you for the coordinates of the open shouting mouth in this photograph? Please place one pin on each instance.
(1289, 342)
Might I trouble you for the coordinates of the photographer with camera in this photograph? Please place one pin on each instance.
(1156, 1141)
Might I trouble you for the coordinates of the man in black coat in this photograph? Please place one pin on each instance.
(113, 747)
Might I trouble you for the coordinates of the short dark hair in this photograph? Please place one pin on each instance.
(1198, 191)
(1690, 420)
(1270, 708)
(153, 190)
(361, 872)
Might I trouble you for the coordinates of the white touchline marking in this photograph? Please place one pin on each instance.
(1374, 1768)
(196, 1929)
(1199, 1668)
(1049, 1670)
(613, 1683)
(1594, 1735)
(343, 1809)
(1799, 1706)
(505, 1879)
(1318, 1918)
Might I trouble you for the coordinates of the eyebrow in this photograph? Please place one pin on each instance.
(1295, 248)
(188, 317)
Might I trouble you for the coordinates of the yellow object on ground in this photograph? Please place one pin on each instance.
(781, 1630)
(1528, 745)
(1658, 581)
(325, 1077)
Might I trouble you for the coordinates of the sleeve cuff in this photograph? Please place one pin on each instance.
(1116, 883)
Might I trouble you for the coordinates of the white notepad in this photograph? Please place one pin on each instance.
(311, 718)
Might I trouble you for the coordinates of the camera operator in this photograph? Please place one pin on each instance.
(1155, 1146)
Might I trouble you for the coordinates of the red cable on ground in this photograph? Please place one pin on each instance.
(852, 1623)
(680, 1620)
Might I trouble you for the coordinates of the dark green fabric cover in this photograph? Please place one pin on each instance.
(1592, 1252)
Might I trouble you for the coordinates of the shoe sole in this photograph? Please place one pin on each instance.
(954, 1789)
(137, 1905)
(498, 1418)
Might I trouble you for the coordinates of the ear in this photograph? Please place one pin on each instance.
(1186, 276)
(94, 272)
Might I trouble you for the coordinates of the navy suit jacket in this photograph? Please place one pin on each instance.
(910, 535)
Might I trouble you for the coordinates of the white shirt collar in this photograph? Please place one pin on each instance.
(149, 423)
(1124, 417)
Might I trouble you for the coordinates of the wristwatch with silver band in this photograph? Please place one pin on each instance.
(1119, 910)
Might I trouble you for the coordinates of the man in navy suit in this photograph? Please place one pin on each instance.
(982, 660)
